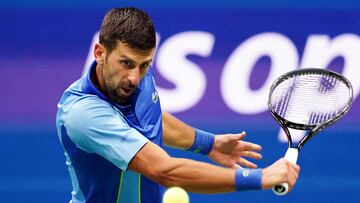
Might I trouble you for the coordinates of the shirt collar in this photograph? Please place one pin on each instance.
(88, 86)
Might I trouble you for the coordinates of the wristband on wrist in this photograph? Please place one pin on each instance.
(248, 179)
(203, 142)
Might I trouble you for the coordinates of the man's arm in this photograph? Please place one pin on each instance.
(193, 176)
(176, 133)
(228, 150)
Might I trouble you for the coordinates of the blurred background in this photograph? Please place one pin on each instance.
(214, 65)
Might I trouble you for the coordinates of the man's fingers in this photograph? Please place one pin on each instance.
(297, 168)
(293, 174)
(236, 166)
(246, 163)
(243, 145)
(251, 154)
(295, 171)
(248, 146)
(237, 137)
(282, 171)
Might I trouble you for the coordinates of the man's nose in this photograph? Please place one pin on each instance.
(134, 76)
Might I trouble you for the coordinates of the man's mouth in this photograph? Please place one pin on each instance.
(126, 90)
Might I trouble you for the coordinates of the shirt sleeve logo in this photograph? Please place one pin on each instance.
(155, 96)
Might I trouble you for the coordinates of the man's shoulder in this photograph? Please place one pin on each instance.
(77, 103)
(89, 103)
(86, 112)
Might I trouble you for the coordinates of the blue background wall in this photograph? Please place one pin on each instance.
(45, 44)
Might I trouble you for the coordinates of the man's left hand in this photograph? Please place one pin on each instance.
(229, 150)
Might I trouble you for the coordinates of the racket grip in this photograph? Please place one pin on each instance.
(291, 155)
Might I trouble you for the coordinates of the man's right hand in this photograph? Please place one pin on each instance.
(282, 171)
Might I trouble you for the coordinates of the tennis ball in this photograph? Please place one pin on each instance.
(175, 195)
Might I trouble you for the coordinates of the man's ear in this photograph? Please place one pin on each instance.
(99, 53)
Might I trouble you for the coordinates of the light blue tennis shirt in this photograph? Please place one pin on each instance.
(101, 137)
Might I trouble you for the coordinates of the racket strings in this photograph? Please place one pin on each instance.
(310, 98)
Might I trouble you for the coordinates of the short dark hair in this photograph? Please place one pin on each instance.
(128, 25)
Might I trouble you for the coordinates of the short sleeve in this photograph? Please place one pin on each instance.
(97, 127)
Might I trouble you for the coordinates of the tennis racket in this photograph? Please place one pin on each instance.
(307, 99)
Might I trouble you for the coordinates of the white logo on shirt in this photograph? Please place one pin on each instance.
(155, 96)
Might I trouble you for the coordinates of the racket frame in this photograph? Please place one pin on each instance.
(292, 152)
(312, 129)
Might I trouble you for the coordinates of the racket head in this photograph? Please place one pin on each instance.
(309, 99)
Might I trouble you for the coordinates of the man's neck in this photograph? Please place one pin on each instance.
(95, 77)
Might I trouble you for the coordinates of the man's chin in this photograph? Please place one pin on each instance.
(121, 99)
(121, 96)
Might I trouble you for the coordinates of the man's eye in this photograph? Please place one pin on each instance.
(126, 63)
(145, 66)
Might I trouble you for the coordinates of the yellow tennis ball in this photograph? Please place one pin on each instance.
(175, 195)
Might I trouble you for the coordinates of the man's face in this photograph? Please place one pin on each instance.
(123, 69)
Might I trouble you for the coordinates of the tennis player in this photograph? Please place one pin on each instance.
(112, 129)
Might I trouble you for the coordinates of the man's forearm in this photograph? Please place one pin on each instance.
(198, 177)
(176, 133)
(194, 176)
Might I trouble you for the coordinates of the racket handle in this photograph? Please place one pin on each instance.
(291, 155)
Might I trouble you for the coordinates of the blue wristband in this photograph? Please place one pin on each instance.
(203, 142)
(248, 179)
